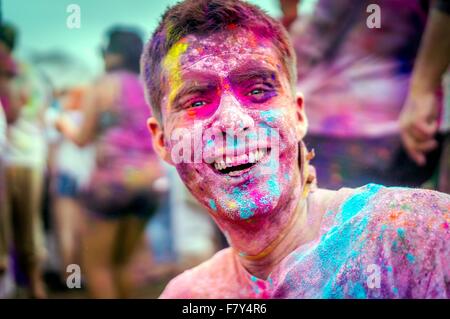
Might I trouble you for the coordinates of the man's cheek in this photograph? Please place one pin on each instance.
(191, 177)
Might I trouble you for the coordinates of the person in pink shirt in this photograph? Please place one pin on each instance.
(220, 77)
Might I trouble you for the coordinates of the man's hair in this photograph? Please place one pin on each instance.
(203, 18)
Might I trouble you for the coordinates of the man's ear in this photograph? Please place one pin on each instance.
(158, 140)
(301, 120)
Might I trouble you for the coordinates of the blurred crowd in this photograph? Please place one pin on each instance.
(80, 183)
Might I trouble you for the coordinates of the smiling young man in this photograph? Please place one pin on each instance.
(225, 70)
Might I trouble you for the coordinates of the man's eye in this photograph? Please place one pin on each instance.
(197, 103)
(256, 92)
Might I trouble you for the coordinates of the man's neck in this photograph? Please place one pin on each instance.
(261, 245)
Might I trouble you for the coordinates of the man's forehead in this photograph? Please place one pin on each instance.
(219, 52)
(238, 41)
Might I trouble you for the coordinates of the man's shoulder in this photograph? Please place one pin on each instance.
(404, 231)
(419, 204)
(375, 200)
(197, 281)
(382, 212)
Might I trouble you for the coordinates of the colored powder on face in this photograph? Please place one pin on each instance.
(246, 205)
(192, 112)
(210, 146)
(210, 143)
(247, 212)
(172, 63)
(252, 136)
(212, 204)
(401, 233)
(410, 258)
(273, 187)
(270, 116)
(383, 229)
(232, 142)
(231, 205)
(394, 246)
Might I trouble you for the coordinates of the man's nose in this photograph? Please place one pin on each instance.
(231, 117)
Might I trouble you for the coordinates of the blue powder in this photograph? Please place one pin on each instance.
(340, 240)
(383, 229)
(270, 115)
(394, 246)
(252, 136)
(359, 291)
(247, 206)
(401, 233)
(358, 201)
(410, 258)
(273, 186)
(212, 204)
(210, 143)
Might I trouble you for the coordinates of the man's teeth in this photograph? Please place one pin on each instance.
(252, 157)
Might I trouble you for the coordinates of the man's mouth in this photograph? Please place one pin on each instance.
(237, 165)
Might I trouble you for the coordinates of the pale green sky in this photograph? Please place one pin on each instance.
(42, 24)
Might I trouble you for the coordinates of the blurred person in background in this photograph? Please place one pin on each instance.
(72, 166)
(119, 196)
(355, 80)
(68, 164)
(423, 114)
(25, 160)
(6, 282)
(7, 72)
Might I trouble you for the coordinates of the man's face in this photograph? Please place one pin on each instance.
(230, 106)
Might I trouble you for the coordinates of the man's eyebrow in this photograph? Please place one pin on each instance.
(250, 72)
(198, 83)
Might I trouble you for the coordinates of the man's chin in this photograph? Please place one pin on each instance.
(246, 211)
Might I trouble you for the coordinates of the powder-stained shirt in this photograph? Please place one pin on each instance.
(374, 242)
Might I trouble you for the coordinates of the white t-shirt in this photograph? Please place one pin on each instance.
(71, 159)
(27, 144)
